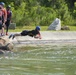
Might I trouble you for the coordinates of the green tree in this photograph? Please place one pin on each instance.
(42, 12)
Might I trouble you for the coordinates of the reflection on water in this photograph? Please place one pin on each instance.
(46, 60)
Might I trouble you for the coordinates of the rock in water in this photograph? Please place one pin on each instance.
(6, 44)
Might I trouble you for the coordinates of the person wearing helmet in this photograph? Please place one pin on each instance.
(32, 33)
(4, 17)
(9, 15)
(1, 19)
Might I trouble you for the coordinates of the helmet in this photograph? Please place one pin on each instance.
(8, 6)
(37, 27)
(2, 3)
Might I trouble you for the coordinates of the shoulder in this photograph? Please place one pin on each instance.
(4, 10)
(33, 30)
(10, 11)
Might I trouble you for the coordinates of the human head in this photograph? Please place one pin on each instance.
(37, 28)
(2, 4)
(8, 7)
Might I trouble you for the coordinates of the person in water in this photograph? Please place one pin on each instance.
(32, 33)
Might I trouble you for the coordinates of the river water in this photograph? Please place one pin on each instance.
(39, 60)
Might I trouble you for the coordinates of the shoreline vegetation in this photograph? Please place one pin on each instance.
(42, 12)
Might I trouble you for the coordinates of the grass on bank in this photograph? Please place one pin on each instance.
(43, 28)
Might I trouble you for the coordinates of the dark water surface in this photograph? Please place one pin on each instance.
(45, 60)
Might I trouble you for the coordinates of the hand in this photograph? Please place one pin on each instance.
(40, 37)
(4, 25)
(36, 37)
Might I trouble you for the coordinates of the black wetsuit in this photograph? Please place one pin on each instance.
(30, 33)
(9, 14)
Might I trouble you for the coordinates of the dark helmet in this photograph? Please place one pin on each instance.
(2, 3)
(8, 6)
(37, 27)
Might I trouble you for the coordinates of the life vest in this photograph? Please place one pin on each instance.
(9, 14)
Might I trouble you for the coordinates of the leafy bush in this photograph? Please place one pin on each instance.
(35, 12)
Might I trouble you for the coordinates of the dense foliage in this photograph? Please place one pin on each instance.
(42, 12)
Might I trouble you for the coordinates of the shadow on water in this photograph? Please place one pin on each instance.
(45, 60)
